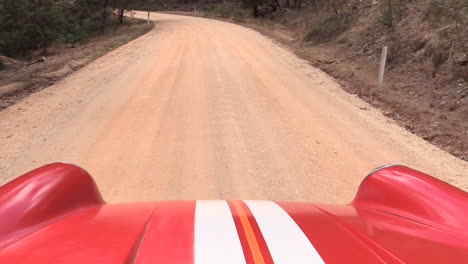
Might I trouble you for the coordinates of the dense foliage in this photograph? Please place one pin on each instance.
(35, 24)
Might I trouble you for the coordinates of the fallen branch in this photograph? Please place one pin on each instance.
(41, 59)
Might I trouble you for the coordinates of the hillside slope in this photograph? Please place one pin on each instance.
(426, 82)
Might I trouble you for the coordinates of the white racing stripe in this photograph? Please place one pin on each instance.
(285, 240)
(216, 238)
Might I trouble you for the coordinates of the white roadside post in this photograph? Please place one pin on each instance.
(383, 60)
(148, 20)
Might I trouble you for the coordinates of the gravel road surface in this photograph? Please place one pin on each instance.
(203, 109)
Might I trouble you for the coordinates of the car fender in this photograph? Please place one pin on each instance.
(42, 196)
(412, 194)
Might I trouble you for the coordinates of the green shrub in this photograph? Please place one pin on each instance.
(226, 11)
(223, 11)
(238, 15)
(386, 18)
(392, 12)
(27, 25)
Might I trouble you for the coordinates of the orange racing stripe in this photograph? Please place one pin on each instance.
(249, 233)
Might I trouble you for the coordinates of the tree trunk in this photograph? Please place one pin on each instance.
(255, 10)
(298, 4)
(121, 15)
(278, 4)
(333, 3)
(390, 13)
(104, 15)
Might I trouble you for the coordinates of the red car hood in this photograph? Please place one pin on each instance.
(56, 215)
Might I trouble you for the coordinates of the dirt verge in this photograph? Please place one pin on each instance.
(19, 78)
(412, 111)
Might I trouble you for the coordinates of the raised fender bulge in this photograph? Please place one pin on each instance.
(414, 195)
(42, 196)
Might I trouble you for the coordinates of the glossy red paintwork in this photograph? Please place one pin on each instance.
(56, 215)
(97, 235)
(169, 236)
(40, 197)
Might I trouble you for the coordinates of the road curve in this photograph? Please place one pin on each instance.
(203, 109)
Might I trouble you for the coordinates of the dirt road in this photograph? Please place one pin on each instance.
(202, 109)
